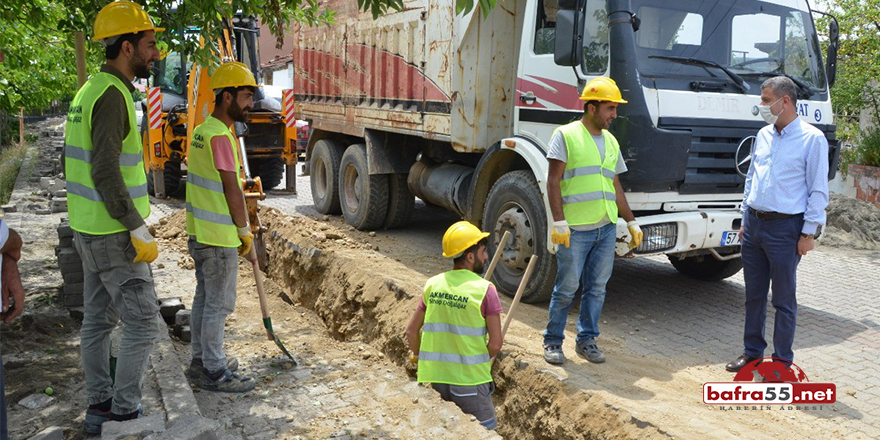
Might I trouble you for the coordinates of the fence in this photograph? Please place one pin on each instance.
(9, 123)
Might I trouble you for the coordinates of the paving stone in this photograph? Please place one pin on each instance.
(50, 433)
(169, 307)
(9, 208)
(190, 428)
(182, 317)
(137, 428)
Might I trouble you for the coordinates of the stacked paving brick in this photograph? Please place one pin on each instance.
(71, 267)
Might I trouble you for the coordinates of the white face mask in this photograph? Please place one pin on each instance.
(767, 114)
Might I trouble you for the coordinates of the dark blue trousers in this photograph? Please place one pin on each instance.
(770, 258)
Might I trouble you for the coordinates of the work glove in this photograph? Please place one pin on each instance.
(247, 241)
(636, 233)
(145, 245)
(561, 234)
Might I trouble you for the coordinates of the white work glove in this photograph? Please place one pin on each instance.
(144, 244)
(247, 240)
(561, 234)
(636, 233)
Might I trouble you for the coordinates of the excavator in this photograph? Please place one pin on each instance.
(181, 98)
(186, 100)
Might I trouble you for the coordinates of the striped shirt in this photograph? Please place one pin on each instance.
(789, 173)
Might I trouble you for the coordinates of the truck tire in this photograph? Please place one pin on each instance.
(515, 203)
(706, 267)
(401, 202)
(269, 169)
(173, 180)
(324, 162)
(363, 198)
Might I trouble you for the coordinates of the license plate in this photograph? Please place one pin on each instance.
(730, 238)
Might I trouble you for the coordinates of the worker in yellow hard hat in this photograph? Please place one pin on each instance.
(107, 204)
(448, 331)
(585, 199)
(217, 224)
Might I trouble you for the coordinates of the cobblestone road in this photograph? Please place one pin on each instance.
(653, 311)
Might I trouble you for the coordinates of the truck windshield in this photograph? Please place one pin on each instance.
(751, 39)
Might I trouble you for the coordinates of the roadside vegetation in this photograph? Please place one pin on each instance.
(12, 158)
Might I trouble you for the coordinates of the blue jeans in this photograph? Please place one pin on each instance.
(216, 277)
(114, 289)
(769, 254)
(588, 263)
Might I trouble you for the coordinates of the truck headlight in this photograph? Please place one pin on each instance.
(658, 238)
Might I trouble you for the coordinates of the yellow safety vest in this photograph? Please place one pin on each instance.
(85, 205)
(207, 213)
(454, 336)
(587, 185)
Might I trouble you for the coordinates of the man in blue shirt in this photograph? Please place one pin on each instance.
(786, 193)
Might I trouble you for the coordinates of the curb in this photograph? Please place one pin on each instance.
(177, 396)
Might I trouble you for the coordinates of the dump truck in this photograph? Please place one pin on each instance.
(181, 99)
(458, 110)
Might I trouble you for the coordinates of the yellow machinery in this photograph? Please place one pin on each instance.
(267, 143)
(181, 98)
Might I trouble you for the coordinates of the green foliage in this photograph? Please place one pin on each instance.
(11, 160)
(858, 62)
(37, 36)
(866, 151)
(40, 63)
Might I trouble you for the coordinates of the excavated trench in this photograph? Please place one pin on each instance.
(362, 295)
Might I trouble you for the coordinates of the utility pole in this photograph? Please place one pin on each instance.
(80, 58)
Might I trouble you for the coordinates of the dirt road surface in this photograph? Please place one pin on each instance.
(340, 299)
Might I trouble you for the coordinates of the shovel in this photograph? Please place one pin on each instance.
(516, 298)
(519, 293)
(264, 307)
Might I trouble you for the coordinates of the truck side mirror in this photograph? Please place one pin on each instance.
(831, 64)
(569, 45)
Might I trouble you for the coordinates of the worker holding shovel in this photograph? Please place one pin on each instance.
(217, 224)
(448, 331)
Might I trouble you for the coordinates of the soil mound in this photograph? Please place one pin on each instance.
(852, 224)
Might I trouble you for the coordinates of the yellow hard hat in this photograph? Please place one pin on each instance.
(602, 89)
(459, 237)
(232, 74)
(120, 18)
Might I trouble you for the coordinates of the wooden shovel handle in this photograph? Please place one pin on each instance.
(497, 256)
(519, 292)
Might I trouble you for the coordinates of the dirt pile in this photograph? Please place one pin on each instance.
(852, 224)
(368, 297)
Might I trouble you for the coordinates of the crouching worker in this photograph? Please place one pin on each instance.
(447, 332)
(216, 221)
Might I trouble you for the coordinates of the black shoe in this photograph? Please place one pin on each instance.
(740, 362)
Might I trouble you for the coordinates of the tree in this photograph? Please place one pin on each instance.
(37, 36)
(858, 67)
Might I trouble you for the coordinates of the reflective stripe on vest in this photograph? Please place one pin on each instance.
(587, 184)
(85, 204)
(207, 213)
(453, 346)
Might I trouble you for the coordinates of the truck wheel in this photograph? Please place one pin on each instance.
(173, 181)
(324, 178)
(401, 202)
(269, 169)
(363, 198)
(515, 204)
(706, 267)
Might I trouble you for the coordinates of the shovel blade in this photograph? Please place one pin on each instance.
(267, 322)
